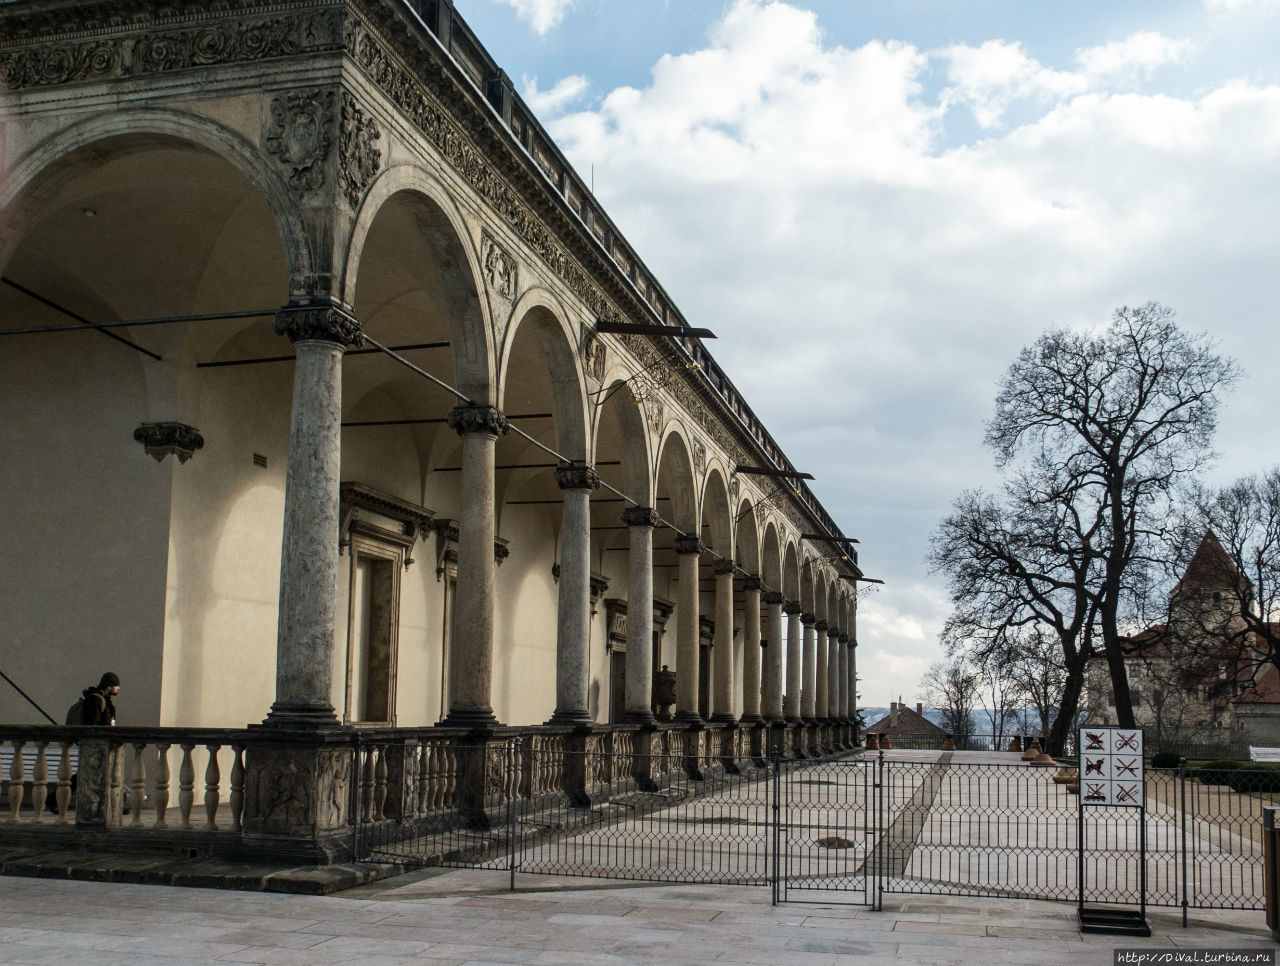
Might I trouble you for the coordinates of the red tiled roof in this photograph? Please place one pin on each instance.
(909, 723)
(1211, 567)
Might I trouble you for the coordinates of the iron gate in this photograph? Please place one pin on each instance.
(848, 829)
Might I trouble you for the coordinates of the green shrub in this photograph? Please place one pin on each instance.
(1216, 772)
(1256, 776)
(1165, 759)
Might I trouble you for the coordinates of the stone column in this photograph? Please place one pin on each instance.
(853, 677)
(846, 692)
(689, 549)
(795, 667)
(320, 331)
(808, 695)
(833, 676)
(722, 646)
(751, 690)
(821, 675)
(641, 521)
(471, 655)
(771, 692)
(573, 620)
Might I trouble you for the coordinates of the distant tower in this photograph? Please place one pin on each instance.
(1205, 605)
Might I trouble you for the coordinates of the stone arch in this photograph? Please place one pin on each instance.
(791, 572)
(537, 312)
(618, 413)
(747, 537)
(460, 279)
(717, 519)
(40, 172)
(771, 558)
(673, 457)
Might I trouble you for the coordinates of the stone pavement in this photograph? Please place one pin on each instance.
(437, 917)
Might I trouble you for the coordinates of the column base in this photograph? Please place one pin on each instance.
(575, 719)
(724, 717)
(688, 717)
(301, 717)
(639, 718)
(749, 719)
(470, 718)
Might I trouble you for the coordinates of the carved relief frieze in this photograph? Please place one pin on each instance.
(699, 456)
(155, 51)
(500, 269)
(299, 134)
(358, 156)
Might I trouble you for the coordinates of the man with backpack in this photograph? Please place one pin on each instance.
(95, 706)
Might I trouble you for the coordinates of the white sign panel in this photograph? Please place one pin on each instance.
(1111, 766)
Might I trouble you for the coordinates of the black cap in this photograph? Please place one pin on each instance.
(109, 680)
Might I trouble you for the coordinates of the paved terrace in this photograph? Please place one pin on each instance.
(449, 918)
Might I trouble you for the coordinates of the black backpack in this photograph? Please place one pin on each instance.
(75, 714)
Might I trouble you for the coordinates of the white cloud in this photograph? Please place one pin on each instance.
(870, 281)
(564, 92)
(541, 15)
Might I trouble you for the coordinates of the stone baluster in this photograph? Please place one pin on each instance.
(369, 774)
(115, 785)
(320, 330)
(688, 548)
(471, 650)
(751, 654)
(17, 779)
(237, 788)
(808, 697)
(137, 783)
(63, 796)
(638, 687)
(424, 781)
(186, 785)
(573, 617)
(212, 786)
(722, 652)
(40, 782)
(162, 786)
(821, 693)
(795, 657)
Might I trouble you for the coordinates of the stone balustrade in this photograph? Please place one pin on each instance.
(257, 791)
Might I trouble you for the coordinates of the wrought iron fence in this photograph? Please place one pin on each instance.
(852, 827)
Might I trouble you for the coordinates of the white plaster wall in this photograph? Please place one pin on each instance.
(524, 636)
(224, 575)
(87, 520)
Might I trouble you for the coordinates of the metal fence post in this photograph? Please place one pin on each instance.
(1182, 792)
(880, 843)
(512, 787)
(776, 830)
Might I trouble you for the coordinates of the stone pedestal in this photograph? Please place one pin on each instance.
(297, 797)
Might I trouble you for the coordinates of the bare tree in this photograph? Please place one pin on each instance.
(1020, 562)
(1036, 666)
(1125, 415)
(951, 687)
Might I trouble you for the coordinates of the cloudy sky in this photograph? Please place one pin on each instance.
(876, 204)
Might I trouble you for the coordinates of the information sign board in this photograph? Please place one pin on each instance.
(1111, 771)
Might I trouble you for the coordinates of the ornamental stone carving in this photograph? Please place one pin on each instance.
(593, 354)
(820, 625)
(169, 439)
(324, 322)
(478, 421)
(699, 456)
(499, 267)
(640, 516)
(808, 619)
(844, 638)
(358, 157)
(654, 415)
(577, 476)
(735, 487)
(773, 597)
(300, 135)
(752, 583)
(689, 543)
(153, 51)
(791, 607)
(725, 566)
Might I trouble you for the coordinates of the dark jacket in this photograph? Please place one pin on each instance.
(98, 707)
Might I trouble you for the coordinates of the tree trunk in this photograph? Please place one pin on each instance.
(1057, 737)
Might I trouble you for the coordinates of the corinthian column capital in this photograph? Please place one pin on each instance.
(320, 320)
(477, 421)
(640, 516)
(577, 475)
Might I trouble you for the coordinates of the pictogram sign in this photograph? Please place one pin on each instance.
(1111, 767)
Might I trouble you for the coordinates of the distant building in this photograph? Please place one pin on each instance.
(1194, 679)
(902, 722)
